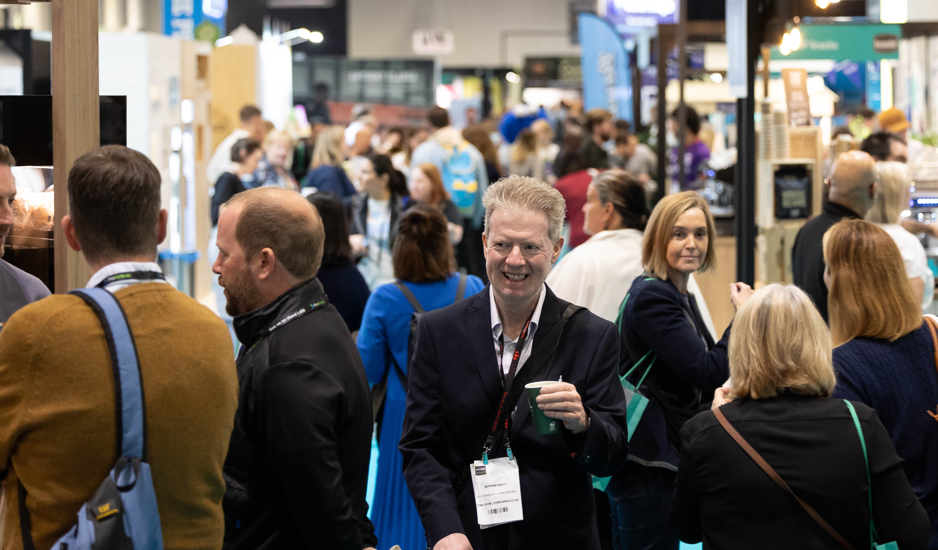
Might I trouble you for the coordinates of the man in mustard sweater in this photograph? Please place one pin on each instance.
(57, 407)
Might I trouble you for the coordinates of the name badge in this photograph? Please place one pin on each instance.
(497, 486)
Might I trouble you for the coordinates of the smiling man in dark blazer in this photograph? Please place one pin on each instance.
(462, 360)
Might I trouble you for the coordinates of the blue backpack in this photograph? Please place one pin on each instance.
(122, 515)
(459, 177)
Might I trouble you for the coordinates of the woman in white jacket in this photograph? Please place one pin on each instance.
(598, 273)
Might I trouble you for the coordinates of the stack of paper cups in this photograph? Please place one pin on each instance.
(780, 140)
(766, 136)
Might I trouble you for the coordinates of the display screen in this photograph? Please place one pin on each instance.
(792, 193)
(26, 126)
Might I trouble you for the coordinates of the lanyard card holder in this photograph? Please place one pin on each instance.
(497, 486)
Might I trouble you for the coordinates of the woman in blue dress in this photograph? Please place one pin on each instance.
(425, 265)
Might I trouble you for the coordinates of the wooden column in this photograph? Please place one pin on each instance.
(75, 117)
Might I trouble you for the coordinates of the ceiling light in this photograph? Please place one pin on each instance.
(795, 38)
(716, 77)
(513, 77)
(822, 4)
(315, 37)
(785, 47)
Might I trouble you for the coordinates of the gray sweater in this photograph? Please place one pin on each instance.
(17, 289)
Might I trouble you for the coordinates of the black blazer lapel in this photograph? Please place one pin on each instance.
(700, 322)
(483, 348)
(550, 315)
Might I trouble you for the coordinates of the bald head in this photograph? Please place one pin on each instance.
(853, 181)
(283, 221)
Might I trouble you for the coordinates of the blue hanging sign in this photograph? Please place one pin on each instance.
(195, 19)
(607, 80)
(630, 17)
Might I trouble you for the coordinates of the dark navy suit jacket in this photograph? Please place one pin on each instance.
(454, 389)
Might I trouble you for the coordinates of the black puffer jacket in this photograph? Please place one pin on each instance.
(297, 466)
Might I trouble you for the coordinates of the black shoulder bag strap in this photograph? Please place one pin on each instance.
(461, 289)
(418, 309)
(409, 295)
(540, 357)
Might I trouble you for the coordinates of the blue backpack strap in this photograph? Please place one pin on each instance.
(128, 381)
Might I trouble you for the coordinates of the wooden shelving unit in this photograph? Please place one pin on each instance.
(776, 237)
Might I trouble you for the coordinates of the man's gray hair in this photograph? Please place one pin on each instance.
(530, 194)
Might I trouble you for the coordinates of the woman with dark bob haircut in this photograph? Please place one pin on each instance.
(425, 270)
(343, 283)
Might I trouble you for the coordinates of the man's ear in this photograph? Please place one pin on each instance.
(69, 230)
(161, 224)
(609, 212)
(873, 190)
(266, 263)
(557, 248)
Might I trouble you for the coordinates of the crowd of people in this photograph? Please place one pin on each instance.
(411, 291)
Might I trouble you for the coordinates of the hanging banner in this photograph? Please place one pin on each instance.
(631, 17)
(737, 73)
(607, 80)
(195, 19)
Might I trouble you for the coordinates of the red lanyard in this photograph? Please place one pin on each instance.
(506, 383)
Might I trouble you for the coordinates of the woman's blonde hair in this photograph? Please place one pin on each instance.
(892, 193)
(780, 342)
(278, 136)
(328, 148)
(658, 232)
(870, 294)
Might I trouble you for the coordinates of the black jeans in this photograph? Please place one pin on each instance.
(639, 497)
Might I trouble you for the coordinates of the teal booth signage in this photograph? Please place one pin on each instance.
(856, 42)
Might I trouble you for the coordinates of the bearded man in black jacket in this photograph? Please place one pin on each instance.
(297, 466)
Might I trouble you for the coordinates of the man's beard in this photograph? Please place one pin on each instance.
(4, 233)
(242, 294)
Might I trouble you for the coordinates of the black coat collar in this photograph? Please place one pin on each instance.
(255, 325)
(840, 211)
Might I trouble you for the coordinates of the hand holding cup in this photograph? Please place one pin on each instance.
(562, 402)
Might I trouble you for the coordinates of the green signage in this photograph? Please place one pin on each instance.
(854, 42)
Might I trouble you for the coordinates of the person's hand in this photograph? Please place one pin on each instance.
(720, 397)
(358, 245)
(456, 541)
(561, 401)
(455, 232)
(916, 227)
(739, 293)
